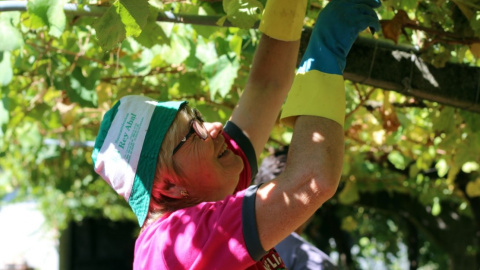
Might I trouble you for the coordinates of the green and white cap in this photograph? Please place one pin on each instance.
(127, 147)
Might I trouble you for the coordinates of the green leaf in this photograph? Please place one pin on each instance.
(82, 89)
(210, 113)
(10, 37)
(349, 224)
(236, 44)
(206, 52)
(444, 120)
(178, 51)
(6, 72)
(205, 31)
(471, 166)
(110, 29)
(472, 120)
(436, 207)
(473, 188)
(221, 75)
(133, 14)
(49, 13)
(123, 19)
(221, 21)
(190, 83)
(152, 33)
(4, 117)
(397, 159)
(349, 193)
(242, 13)
(408, 4)
(442, 167)
(222, 46)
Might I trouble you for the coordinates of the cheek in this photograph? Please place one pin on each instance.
(234, 164)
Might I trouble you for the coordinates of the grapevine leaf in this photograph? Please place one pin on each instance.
(206, 52)
(436, 207)
(236, 44)
(442, 167)
(349, 224)
(408, 4)
(398, 160)
(134, 15)
(82, 89)
(466, 10)
(152, 33)
(445, 119)
(473, 188)
(178, 51)
(475, 49)
(349, 193)
(4, 117)
(10, 37)
(110, 29)
(221, 21)
(452, 173)
(49, 13)
(392, 29)
(6, 72)
(242, 13)
(221, 74)
(472, 120)
(206, 31)
(123, 19)
(190, 83)
(388, 115)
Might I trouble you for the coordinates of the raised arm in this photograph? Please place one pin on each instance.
(272, 71)
(315, 108)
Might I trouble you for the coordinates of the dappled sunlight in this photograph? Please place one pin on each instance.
(317, 137)
(422, 67)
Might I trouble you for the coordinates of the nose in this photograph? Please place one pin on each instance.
(214, 129)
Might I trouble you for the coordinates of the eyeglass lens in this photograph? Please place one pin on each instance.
(200, 129)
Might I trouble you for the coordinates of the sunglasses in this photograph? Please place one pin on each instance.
(196, 127)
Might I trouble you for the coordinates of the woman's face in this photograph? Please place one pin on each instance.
(211, 170)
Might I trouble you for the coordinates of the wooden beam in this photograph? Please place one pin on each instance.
(381, 64)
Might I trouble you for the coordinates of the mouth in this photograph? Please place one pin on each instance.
(223, 151)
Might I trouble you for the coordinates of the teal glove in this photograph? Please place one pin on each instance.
(334, 33)
(318, 88)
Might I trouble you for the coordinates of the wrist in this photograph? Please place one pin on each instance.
(322, 60)
(283, 19)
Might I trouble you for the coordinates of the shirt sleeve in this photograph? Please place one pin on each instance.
(239, 143)
(249, 223)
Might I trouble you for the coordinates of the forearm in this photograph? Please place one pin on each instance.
(274, 65)
(270, 79)
(310, 178)
(316, 156)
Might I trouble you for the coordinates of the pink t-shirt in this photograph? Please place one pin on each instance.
(210, 235)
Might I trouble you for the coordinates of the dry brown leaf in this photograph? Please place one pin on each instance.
(389, 116)
(392, 29)
(475, 49)
(466, 10)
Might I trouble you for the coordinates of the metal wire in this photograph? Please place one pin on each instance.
(371, 63)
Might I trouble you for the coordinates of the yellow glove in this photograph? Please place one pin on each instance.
(283, 19)
(318, 94)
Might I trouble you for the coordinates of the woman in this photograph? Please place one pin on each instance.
(188, 181)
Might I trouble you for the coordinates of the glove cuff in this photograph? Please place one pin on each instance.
(315, 93)
(283, 19)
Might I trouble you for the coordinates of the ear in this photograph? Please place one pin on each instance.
(170, 189)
